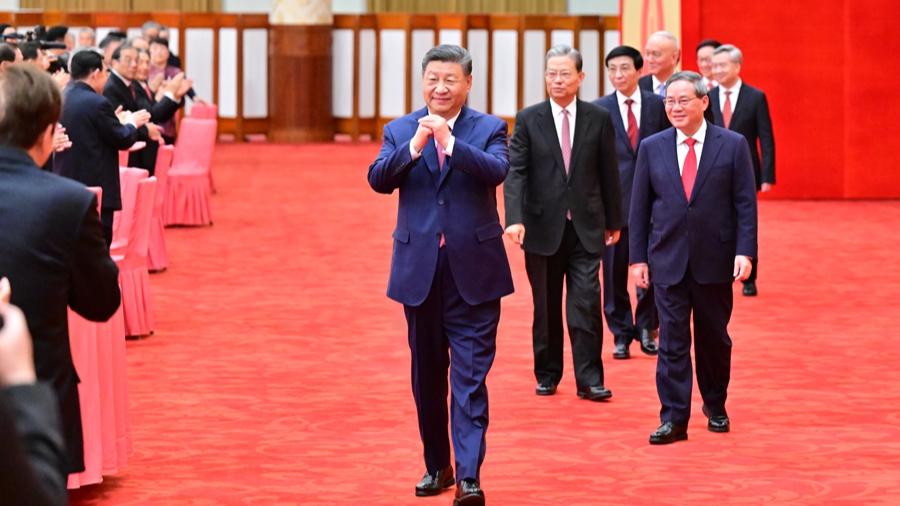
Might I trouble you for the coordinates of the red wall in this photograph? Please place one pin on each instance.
(828, 69)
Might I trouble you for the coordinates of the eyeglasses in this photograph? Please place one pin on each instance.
(683, 102)
(552, 75)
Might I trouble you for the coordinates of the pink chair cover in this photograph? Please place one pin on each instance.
(98, 351)
(208, 111)
(188, 188)
(157, 257)
(133, 264)
(123, 158)
(122, 220)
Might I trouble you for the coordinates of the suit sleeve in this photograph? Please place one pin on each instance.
(490, 165)
(95, 278)
(641, 205)
(744, 191)
(394, 162)
(111, 130)
(517, 181)
(164, 110)
(116, 98)
(33, 466)
(610, 182)
(766, 141)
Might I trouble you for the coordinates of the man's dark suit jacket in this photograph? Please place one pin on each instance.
(719, 222)
(97, 137)
(459, 202)
(538, 192)
(646, 83)
(751, 119)
(53, 252)
(653, 120)
(33, 467)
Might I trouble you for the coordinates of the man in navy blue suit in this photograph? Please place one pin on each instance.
(693, 226)
(449, 267)
(636, 115)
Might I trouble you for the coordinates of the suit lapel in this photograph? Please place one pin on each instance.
(548, 129)
(645, 121)
(716, 108)
(461, 130)
(429, 153)
(740, 106)
(711, 147)
(670, 155)
(582, 117)
(618, 124)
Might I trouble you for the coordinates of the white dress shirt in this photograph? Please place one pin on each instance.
(656, 89)
(682, 149)
(449, 149)
(557, 109)
(735, 91)
(635, 107)
(708, 82)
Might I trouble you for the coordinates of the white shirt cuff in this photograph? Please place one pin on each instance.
(449, 149)
(171, 96)
(412, 151)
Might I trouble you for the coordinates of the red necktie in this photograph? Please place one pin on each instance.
(689, 170)
(709, 85)
(632, 125)
(565, 143)
(726, 109)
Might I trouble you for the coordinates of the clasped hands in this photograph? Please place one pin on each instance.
(742, 268)
(431, 126)
(139, 119)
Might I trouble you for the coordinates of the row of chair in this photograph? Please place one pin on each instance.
(179, 194)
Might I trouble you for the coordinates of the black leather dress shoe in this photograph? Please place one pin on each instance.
(648, 341)
(668, 433)
(597, 393)
(468, 493)
(717, 423)
(621, 352)
(434, 484)
(543, 389)
(750, 289)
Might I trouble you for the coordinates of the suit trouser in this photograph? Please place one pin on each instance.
(617, 302)
(444, 320)
(580, 269)
(711, 305)
(106, 217)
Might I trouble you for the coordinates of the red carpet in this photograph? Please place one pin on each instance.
(279, 371)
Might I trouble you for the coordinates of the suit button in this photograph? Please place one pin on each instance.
(690, 208)
(440, 202)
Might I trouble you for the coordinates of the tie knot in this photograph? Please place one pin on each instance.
(690, 141)
(628, 102)
(565, 112)
(727, 93)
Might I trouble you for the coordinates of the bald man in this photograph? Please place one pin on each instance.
(662, 55)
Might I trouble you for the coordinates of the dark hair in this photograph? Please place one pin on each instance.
(713, 43)
(447, 53)
(628, 51)
(112, 37)
(160, 40)
(30, 50)
(7, 52)
(84, 62)
(29, 102)
(55, 33)
(118, 52)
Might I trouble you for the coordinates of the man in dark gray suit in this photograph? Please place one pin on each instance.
(564, 206)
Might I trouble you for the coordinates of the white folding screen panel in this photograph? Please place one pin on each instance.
(174, 37)
(422, 41)
(197, 62)
(228, 49)
(366, 73)
(393, 74)
(256, 73)
(533, 63)
(478, 48)
(101, 31)
(342, 73)
(450, 36)
(134, 33)
(611, 40)
(504, 74)
(589, 46)
(558, 37)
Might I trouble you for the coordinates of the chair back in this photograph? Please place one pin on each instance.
(207, 111)
(143, 212)
(96, 190)
(123, 158)
(123, 220)
(194, 146)
(163, 162)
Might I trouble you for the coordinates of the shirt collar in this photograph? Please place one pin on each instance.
(126, 81)
(734, 89)
(700, 135)
(556, 108)
(636, 96)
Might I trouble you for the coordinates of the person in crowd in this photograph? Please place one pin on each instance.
(139, 43)
(564, 207)
(9, 30)
(150, 30)
(662, 56)
(165, 101)
(692, 236)
(87, 38)
(33, 467)
(110, 43)
(69, 41)
(121, 94)
(33, 54)
(159, 57)
(744, 109)
(52, 242)
(704, 61)
(449, 267)
(636, 115)
(8, 55)
(174, 60)
(97, 133)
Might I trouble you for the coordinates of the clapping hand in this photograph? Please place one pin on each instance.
(61, 141)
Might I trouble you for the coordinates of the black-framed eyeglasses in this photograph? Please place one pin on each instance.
(683, 102)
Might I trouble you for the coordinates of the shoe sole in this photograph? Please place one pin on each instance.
(473, 500)
(598, 398)
(680, 437)
(621, 357)
(718, 429)
(431, 492)
(543, 394)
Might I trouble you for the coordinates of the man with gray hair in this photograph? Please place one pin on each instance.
(449, 268)
(662, 54)
(693, 230)
(564, 207)
(744, 109)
